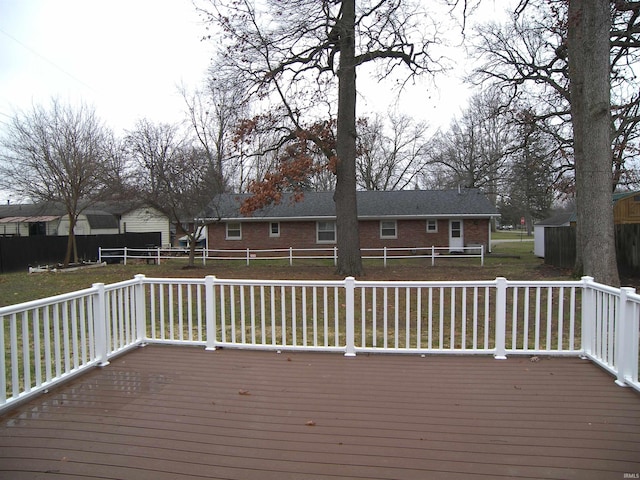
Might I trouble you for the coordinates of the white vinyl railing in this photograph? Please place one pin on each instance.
(290, 255)
(47, 341)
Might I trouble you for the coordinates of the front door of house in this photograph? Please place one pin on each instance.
(456, 236)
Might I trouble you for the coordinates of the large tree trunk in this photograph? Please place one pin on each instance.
(72, 249)
(348, 236)
(589, 74)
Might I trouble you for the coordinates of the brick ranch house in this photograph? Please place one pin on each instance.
(394, 219)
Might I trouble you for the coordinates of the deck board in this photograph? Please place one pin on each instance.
(181, 412)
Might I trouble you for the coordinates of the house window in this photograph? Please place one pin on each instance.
(432, 226)
(326, 232)
(274, 229)
(234, 231)
(388, 229)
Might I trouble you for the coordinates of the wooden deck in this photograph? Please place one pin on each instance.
(179, 412)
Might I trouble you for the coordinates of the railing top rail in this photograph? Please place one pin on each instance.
(600, 287)
(425, 283)
(122, 284)
(43, 302)
(545, 283)
(278, 283)
(166, 281)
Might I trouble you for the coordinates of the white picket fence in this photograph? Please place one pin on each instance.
(290, 255)
(50, 340)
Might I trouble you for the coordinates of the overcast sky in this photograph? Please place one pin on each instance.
(126, 58)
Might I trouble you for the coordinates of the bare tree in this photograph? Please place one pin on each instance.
(392, 153)
(295, 50)
(213, 114)
(57, 153)
(528, 58)
(476, 150)
(173, 176)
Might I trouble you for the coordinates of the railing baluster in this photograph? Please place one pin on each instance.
(374, 317)
(13, 340)
(243, 322)
(252, 299)
(26, 358)
(419, 318)
(407, 308)
(549, 316)
(441, 318)
(452, 319)
(561, 301)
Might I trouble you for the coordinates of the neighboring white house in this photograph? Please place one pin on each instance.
(559, 220)
(146, 219)
(106, 218)
(90, 222)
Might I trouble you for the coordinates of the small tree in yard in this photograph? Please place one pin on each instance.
(57, 154)
(173, 176)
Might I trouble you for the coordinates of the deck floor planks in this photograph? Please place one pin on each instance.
(163, 411)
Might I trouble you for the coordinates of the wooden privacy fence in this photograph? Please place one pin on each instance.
(18, 253)
(560, 247)
(50, 340)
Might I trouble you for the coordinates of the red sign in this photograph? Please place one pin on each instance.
(521, 220)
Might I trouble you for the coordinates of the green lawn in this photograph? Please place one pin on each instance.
(513, 260)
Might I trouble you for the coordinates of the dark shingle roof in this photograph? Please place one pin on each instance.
(558, 220)
(371, 204)
(101, 220)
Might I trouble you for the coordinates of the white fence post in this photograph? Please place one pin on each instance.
(482, 255)
(290, 256)
(99, 254)
(349, 286)
(125, 256)
(100, 325)
(433, 255)
(248, 256)
(335, 256)
(210, 311)
(159, 255)
(625, 337)
(384, 254)
(141, 314)
(501, 318)
(588, 315)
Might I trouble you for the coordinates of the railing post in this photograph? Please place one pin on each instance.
(384, 255)
(349, 287)
(335, 256)
(433, 255)
(210, 311)
(125, 256)
(501, 318)
(248, 256)
(588, 316)
(159, 255)
(290, 256)
(99, 254)
(482, 255)
(141, 316)
(100, 325)
(625, 337)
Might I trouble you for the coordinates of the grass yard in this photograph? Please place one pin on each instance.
(513, 260)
